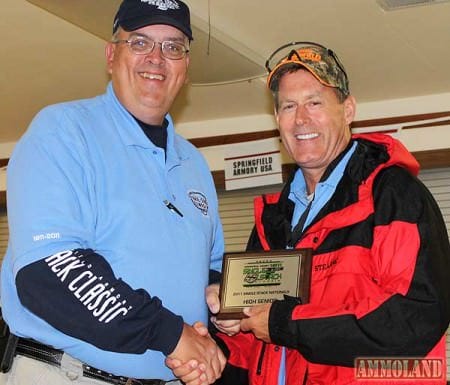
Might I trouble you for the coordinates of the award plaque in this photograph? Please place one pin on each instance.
(257, 278)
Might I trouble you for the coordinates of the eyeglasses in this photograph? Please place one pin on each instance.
(280, 54)
(142, 46)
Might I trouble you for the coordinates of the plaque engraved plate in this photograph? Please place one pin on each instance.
(257, 278)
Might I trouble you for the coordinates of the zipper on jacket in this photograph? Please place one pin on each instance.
(260, 359)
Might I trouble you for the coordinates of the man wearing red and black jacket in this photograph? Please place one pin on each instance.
(380, 284)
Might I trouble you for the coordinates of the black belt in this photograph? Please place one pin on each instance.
(49, 355)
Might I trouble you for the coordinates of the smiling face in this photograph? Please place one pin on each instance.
(314, 126)
(147, 84)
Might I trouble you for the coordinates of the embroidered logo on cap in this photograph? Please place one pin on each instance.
(309, 54)
(199, 201)
(163, 5)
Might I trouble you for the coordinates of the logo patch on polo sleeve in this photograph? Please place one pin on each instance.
(199, 200)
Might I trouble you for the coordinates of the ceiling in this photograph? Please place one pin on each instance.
(53, 50)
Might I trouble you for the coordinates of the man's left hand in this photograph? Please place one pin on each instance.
(257, 321)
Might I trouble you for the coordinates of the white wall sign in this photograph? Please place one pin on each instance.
(251, 164)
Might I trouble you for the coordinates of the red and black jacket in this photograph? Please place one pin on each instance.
(380, 282)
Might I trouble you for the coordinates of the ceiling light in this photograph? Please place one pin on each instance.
(391, 5)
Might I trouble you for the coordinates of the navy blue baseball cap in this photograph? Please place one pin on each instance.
(135, 14)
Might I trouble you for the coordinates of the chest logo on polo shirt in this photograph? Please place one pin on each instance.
(199, 200)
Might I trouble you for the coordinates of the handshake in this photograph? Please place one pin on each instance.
(197, 360)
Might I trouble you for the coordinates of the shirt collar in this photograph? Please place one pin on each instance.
(330, 178)
(133, 135)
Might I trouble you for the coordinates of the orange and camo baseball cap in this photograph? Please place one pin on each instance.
(317, 59)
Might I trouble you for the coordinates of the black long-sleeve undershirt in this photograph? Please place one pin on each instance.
(77, 292)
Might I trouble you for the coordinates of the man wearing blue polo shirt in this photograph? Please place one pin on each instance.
(114, 226)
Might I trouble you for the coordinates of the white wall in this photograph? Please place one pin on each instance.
(6, 149)
(399, 107)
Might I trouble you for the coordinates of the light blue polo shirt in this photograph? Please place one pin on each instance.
(85, 176)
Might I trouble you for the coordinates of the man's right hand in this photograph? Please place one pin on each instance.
(200, 348)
